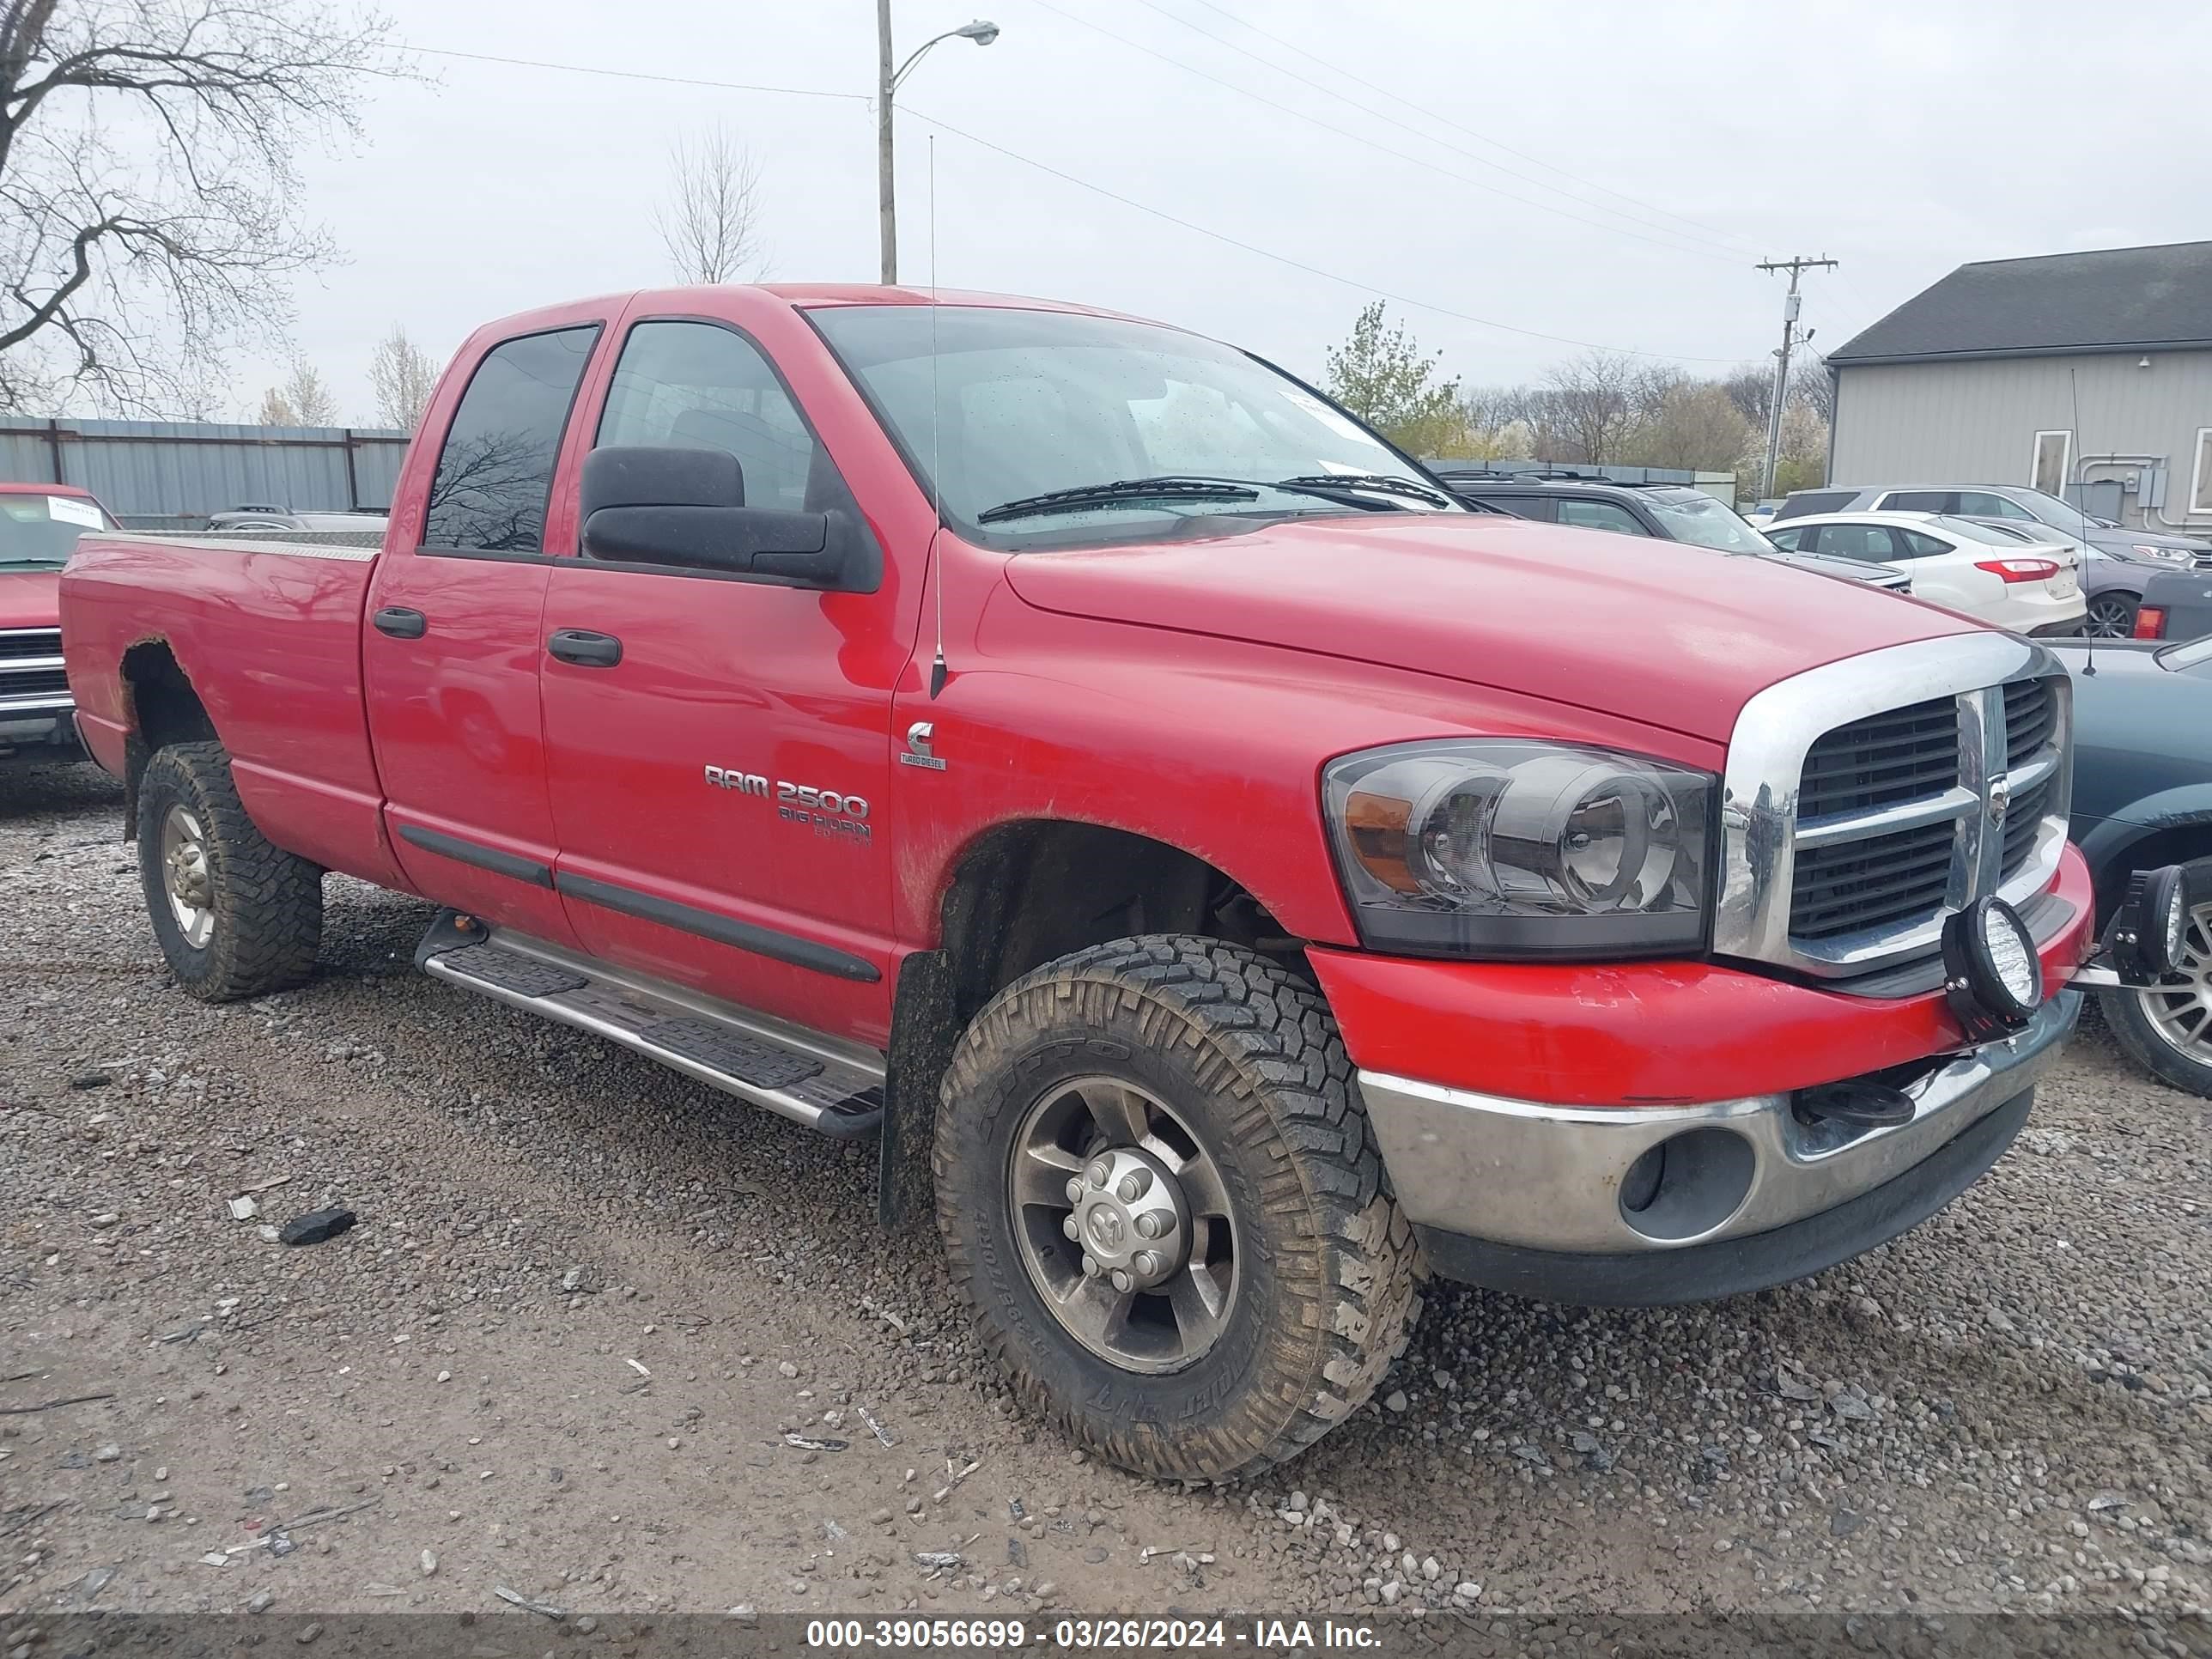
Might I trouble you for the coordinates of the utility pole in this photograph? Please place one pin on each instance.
(888, 82)
(1789, 304)
(886, 175)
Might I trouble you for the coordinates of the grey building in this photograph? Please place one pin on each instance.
(2087, 375)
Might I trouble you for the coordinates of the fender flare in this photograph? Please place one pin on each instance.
(2108, 842)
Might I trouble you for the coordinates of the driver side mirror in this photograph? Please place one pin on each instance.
(686, 507)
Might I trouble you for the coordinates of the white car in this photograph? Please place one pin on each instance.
(2025, 584)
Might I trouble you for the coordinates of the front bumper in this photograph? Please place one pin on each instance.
(1552, 1202)
(37, 736)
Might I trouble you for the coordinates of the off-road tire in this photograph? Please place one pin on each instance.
(1247, 1056)
(2138, 1038)
(268, 904)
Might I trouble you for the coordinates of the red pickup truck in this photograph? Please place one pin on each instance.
(1232, 877)
(39, 524)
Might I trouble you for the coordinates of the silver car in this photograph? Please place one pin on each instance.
(283, 517)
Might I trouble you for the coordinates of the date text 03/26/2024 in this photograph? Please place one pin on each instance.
(1156, 1635)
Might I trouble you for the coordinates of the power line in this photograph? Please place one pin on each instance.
(1385, 150)
(1701, 234)
(1098, 190)
(1726, 239)
(1300, 264)
(640, 74)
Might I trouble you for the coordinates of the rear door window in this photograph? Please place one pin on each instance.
(1815, 501)
(1874, 542)
(1601, 516)
(1538, 508)
(1787, 540)
(1921, 500)
(496, 472)
(1981, 504)
(1920, 546)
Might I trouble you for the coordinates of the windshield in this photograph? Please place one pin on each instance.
(39, 531)
(1689, 516)
(1035, 403)
(2186, 658)
(2058, 515)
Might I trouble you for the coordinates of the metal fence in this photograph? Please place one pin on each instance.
(170, 474)
(1720, 485)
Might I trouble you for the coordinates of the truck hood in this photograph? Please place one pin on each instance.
(30, 599)
(1674, 636)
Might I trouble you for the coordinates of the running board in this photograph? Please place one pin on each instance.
(835, 1088)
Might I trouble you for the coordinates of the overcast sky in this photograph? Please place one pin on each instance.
(1608, 173)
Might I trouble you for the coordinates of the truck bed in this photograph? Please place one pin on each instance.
(268, 632)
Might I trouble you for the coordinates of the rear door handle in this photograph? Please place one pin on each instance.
(584, 648)
(400, 622)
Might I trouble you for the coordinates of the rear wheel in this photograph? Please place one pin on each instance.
(234, 916)
(2110, 616)
(1160, 1193)
(2167, 1029)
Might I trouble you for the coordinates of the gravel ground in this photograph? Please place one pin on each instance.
(588, 1303)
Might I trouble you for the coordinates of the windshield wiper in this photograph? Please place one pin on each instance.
(1387, 483)
(1121, 490)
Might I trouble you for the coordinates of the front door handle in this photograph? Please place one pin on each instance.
(584, 648)
(400, 622)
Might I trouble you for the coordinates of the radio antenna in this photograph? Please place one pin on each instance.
(936, 668)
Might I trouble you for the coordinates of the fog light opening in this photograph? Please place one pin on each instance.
(1687, 1185)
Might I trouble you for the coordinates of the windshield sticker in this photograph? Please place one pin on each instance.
(67, 509)
(1328, 416)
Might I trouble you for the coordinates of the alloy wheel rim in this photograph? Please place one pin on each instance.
(186, 877)
(2107, 620)
(2179, 1008)
(1122, 1221)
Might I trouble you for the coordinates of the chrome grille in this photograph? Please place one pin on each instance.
(1892, 756)
(1866, 800)
(30, 642)
(1851, 884)
(2030, 710)
(30, 672)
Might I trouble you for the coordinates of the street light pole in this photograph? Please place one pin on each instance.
(887, 85)
(886, 180)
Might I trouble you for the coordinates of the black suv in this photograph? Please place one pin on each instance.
(1672, 512)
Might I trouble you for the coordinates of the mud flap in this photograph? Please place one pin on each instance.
(449, 931)
(925, 1028)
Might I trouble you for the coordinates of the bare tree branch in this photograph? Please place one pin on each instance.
(710, 221)
(148, 185)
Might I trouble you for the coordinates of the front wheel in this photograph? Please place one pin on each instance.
(2110, 616)
(234, 916)
(1160, 1196)
(2167, 1029)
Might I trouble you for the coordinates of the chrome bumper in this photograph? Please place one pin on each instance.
(1546, 1177)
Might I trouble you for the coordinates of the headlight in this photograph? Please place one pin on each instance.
(2165, 555)
(1497, 847)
